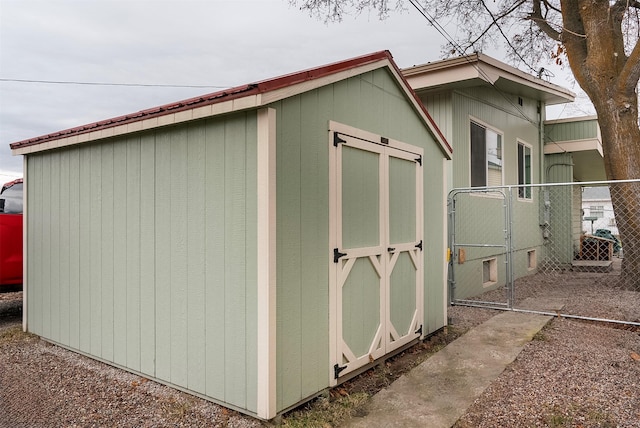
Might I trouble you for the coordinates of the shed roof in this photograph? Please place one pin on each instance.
(243, 97)
(475, 69)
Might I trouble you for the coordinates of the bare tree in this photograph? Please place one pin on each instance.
(598, 38)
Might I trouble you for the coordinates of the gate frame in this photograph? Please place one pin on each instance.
(510, 283)
(507, 206)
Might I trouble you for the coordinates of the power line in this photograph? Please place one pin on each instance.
(144, 85)
(434, 23)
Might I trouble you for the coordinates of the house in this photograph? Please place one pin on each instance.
(597, 208)
(494, 116)
(579, 139)
(573, 151)
(253, 246)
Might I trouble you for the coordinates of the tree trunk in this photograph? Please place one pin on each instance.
(622, 161)
(594, 45)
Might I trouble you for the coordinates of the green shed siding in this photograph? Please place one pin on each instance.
(141, 252)
(143, 248)
(434, 203)
(372, 102)
(555, 132)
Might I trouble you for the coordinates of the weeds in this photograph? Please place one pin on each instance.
(557, 421)
(351, 398)
(325, 412)
(176, 410)
(14, 334)
(580, 416)
(540, 336)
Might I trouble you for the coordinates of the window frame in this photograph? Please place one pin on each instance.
(473, 163)
(525, 193)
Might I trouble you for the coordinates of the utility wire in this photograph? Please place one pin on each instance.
(145, 85)
(434, 23)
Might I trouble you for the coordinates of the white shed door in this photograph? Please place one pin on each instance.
(377, 275)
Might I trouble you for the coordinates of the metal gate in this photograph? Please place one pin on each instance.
(377, 274)
(480, 236)
(549, 248)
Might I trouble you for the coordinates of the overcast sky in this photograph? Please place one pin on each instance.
(168, 42)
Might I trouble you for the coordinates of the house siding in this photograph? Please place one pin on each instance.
(373, 102)
(517, 123)
(570, 131)
(141, 252)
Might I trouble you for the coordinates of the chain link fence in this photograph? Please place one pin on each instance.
(571, 249)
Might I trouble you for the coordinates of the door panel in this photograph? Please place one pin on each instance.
(402, 294)
(376, 204)
(360, 303)
(360, 200)
(402, 200)
(405, 236)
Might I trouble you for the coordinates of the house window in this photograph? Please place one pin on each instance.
(486, 156)
(596, 211)
(524, 170)
(489, 272)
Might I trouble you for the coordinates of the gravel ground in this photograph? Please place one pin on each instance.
(42, 385)
(574, 374)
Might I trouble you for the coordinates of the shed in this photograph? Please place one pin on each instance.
(254, 246)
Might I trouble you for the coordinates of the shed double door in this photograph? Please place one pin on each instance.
(377, 276)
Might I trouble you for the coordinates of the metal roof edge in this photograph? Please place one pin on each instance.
(422, 110)
(235, 93)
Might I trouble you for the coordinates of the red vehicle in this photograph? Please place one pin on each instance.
(11, 235)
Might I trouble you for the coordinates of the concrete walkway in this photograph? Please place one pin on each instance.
(438, 392)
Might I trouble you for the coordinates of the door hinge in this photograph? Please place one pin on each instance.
(391, 249)
(419, 331)
(419, 160)
(337, 140)
(337, 369)
(384, 140)
(337, 254)
(419, 245)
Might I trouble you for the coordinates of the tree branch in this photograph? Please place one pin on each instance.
(504, 36)
(541, 21)
(630, 74)
(627, 3)
(549, 6)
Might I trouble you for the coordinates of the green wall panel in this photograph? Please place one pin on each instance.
(570, 131)
(372, 102)
(142, 253)
(148, 257)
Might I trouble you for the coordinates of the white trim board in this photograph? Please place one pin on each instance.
(266, 263)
